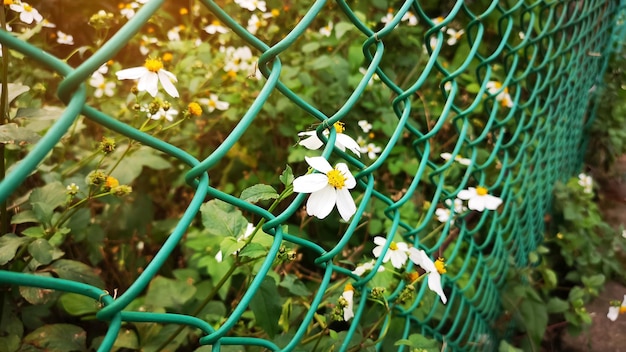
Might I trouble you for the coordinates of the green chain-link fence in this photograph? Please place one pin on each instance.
(532, 121)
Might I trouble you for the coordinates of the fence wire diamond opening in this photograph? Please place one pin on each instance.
(482, 107)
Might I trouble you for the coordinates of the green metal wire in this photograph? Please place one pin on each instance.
(537, 142)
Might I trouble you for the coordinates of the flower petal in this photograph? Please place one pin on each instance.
(467, 193)
(347, 141)
(379, 240)
(350, 181)
(345, 204)
(148, 83)
(312, 142)
(613, 313)
(492, 202)
(434, 283)
(322, 202)
(318, 163)
(476, 203)
(166, 82)
(310, 183)
(131, 73)
(398, 258)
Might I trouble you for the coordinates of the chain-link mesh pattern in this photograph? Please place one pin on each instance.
(552, 53)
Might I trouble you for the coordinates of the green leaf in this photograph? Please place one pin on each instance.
(258, 192)
(41, 250)
(593, 281)
(127, 338)
(534, 317)
(265, 305)
(342, 28)
(37, 295)
(132, 164)
(557, 305)
(77, 305)
(287, 176)
(76, 271)
(15, 90)
(58, 338)
(24, 216)
(285, 322)
(420, 342)
(309, 47)
(9, 244)
(10, 343)
(169, 293)
(11, 133)
(253, 250)
(294, 285)
(505, 347)
(53, 195)
(34, 232)
(222, 219)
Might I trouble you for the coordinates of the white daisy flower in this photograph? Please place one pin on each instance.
(397, 251)
(623, 233)
(254, 23)
(237, 59)
(502, 95)
(410, 18)
(145, 41)
(128, 10)
(63, 38)
(327, 188)
(375, 77)
(249, 230)
(434, 270)
(586, 182)
(28, 14)
(458, 158)
(387, 18)
(168, 114)
(327, 30)
(348, 308)
(252, 5)
(174, 34)
(616, 309)
(342, 141)
(215, 27)
(372, 150)
(365, 267)
(454, 36)
(213, 103)
(445, 214)
(103, 87)
(149, 75)
(479, 199)
(365, 126)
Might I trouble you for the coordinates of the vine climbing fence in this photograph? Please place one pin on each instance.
(470, 112)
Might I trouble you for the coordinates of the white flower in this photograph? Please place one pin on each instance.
(433, 42)
(44, 23)
(454, 35)
(434, 270)
(502, 95)
(215, 27)
(410, 17)
(213, 103)
(327, 188)
(342, 141)
(479, 199)
(348, 308)
(397, 251)
(149, 75)
(103, 87)
(174, 34)
(168, 114)
(586, 182)
(623, 233)
(63, 38)
(237, 59)
(458, 158)
(374, 77)
(365, 267)
(143, 44)
(252, 5)
(365, 126)
(254, 23)
(28, 14)
(387, 18)
(249, 230)
(327, 30)
(445, 214)
(616, 310)
(128, 10)
(372, 150)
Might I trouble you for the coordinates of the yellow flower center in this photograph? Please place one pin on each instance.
(413, 277)
(348, 287)
(622, 309)
(231, 74)
(28, 8)
(212, 103)
(216, 23)
(497, 85)
(440, 266)
(275, 12)
(481, 191)
(393, 246)
(183, 11)
(101, 85)
(8, 2)
(111, 182)
(153, 65)
(336, 179)
(194, 109)
(339, 127)
(167, 57)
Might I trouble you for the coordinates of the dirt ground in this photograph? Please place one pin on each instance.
(605, 335)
